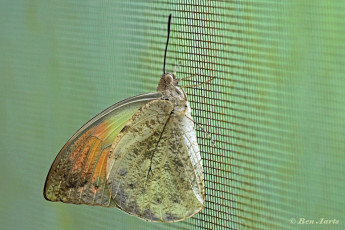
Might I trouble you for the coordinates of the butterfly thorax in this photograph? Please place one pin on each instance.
(171, 92)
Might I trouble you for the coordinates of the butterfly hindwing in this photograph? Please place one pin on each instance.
(78, 174)
(155, 169)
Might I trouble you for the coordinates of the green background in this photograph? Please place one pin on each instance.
(275, 108)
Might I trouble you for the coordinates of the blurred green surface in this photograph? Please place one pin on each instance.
(275, 108)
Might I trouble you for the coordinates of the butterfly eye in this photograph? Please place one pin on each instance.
(168, 78)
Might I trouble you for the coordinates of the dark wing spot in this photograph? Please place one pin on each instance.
(124, 129)
(132, 185)
(176, 200)
(122, 172)
(96, 186)
(71, 183)
(177, 162)
(84, 182)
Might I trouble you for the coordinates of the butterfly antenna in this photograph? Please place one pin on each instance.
(166, 46)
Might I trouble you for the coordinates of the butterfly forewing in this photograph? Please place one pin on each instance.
(78, 174)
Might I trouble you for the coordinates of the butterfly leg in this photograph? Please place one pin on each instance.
(198, 85)
(200, 126)
(193, 75)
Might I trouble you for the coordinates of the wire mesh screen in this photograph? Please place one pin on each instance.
(274, 107)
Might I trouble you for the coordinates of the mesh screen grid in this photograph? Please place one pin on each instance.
(274, 108)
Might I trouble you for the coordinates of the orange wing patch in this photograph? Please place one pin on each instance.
(78, 144)
(78, 174)
(80, 177)
(99, 173)
(92, 157)
(83, 154)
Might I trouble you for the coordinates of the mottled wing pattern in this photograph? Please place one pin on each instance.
(155, 169)
(78, 174)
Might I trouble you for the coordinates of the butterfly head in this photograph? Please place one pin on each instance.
(167, 81)
(170, 78)
(168, 86)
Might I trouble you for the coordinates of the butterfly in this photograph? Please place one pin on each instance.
(140, 155)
